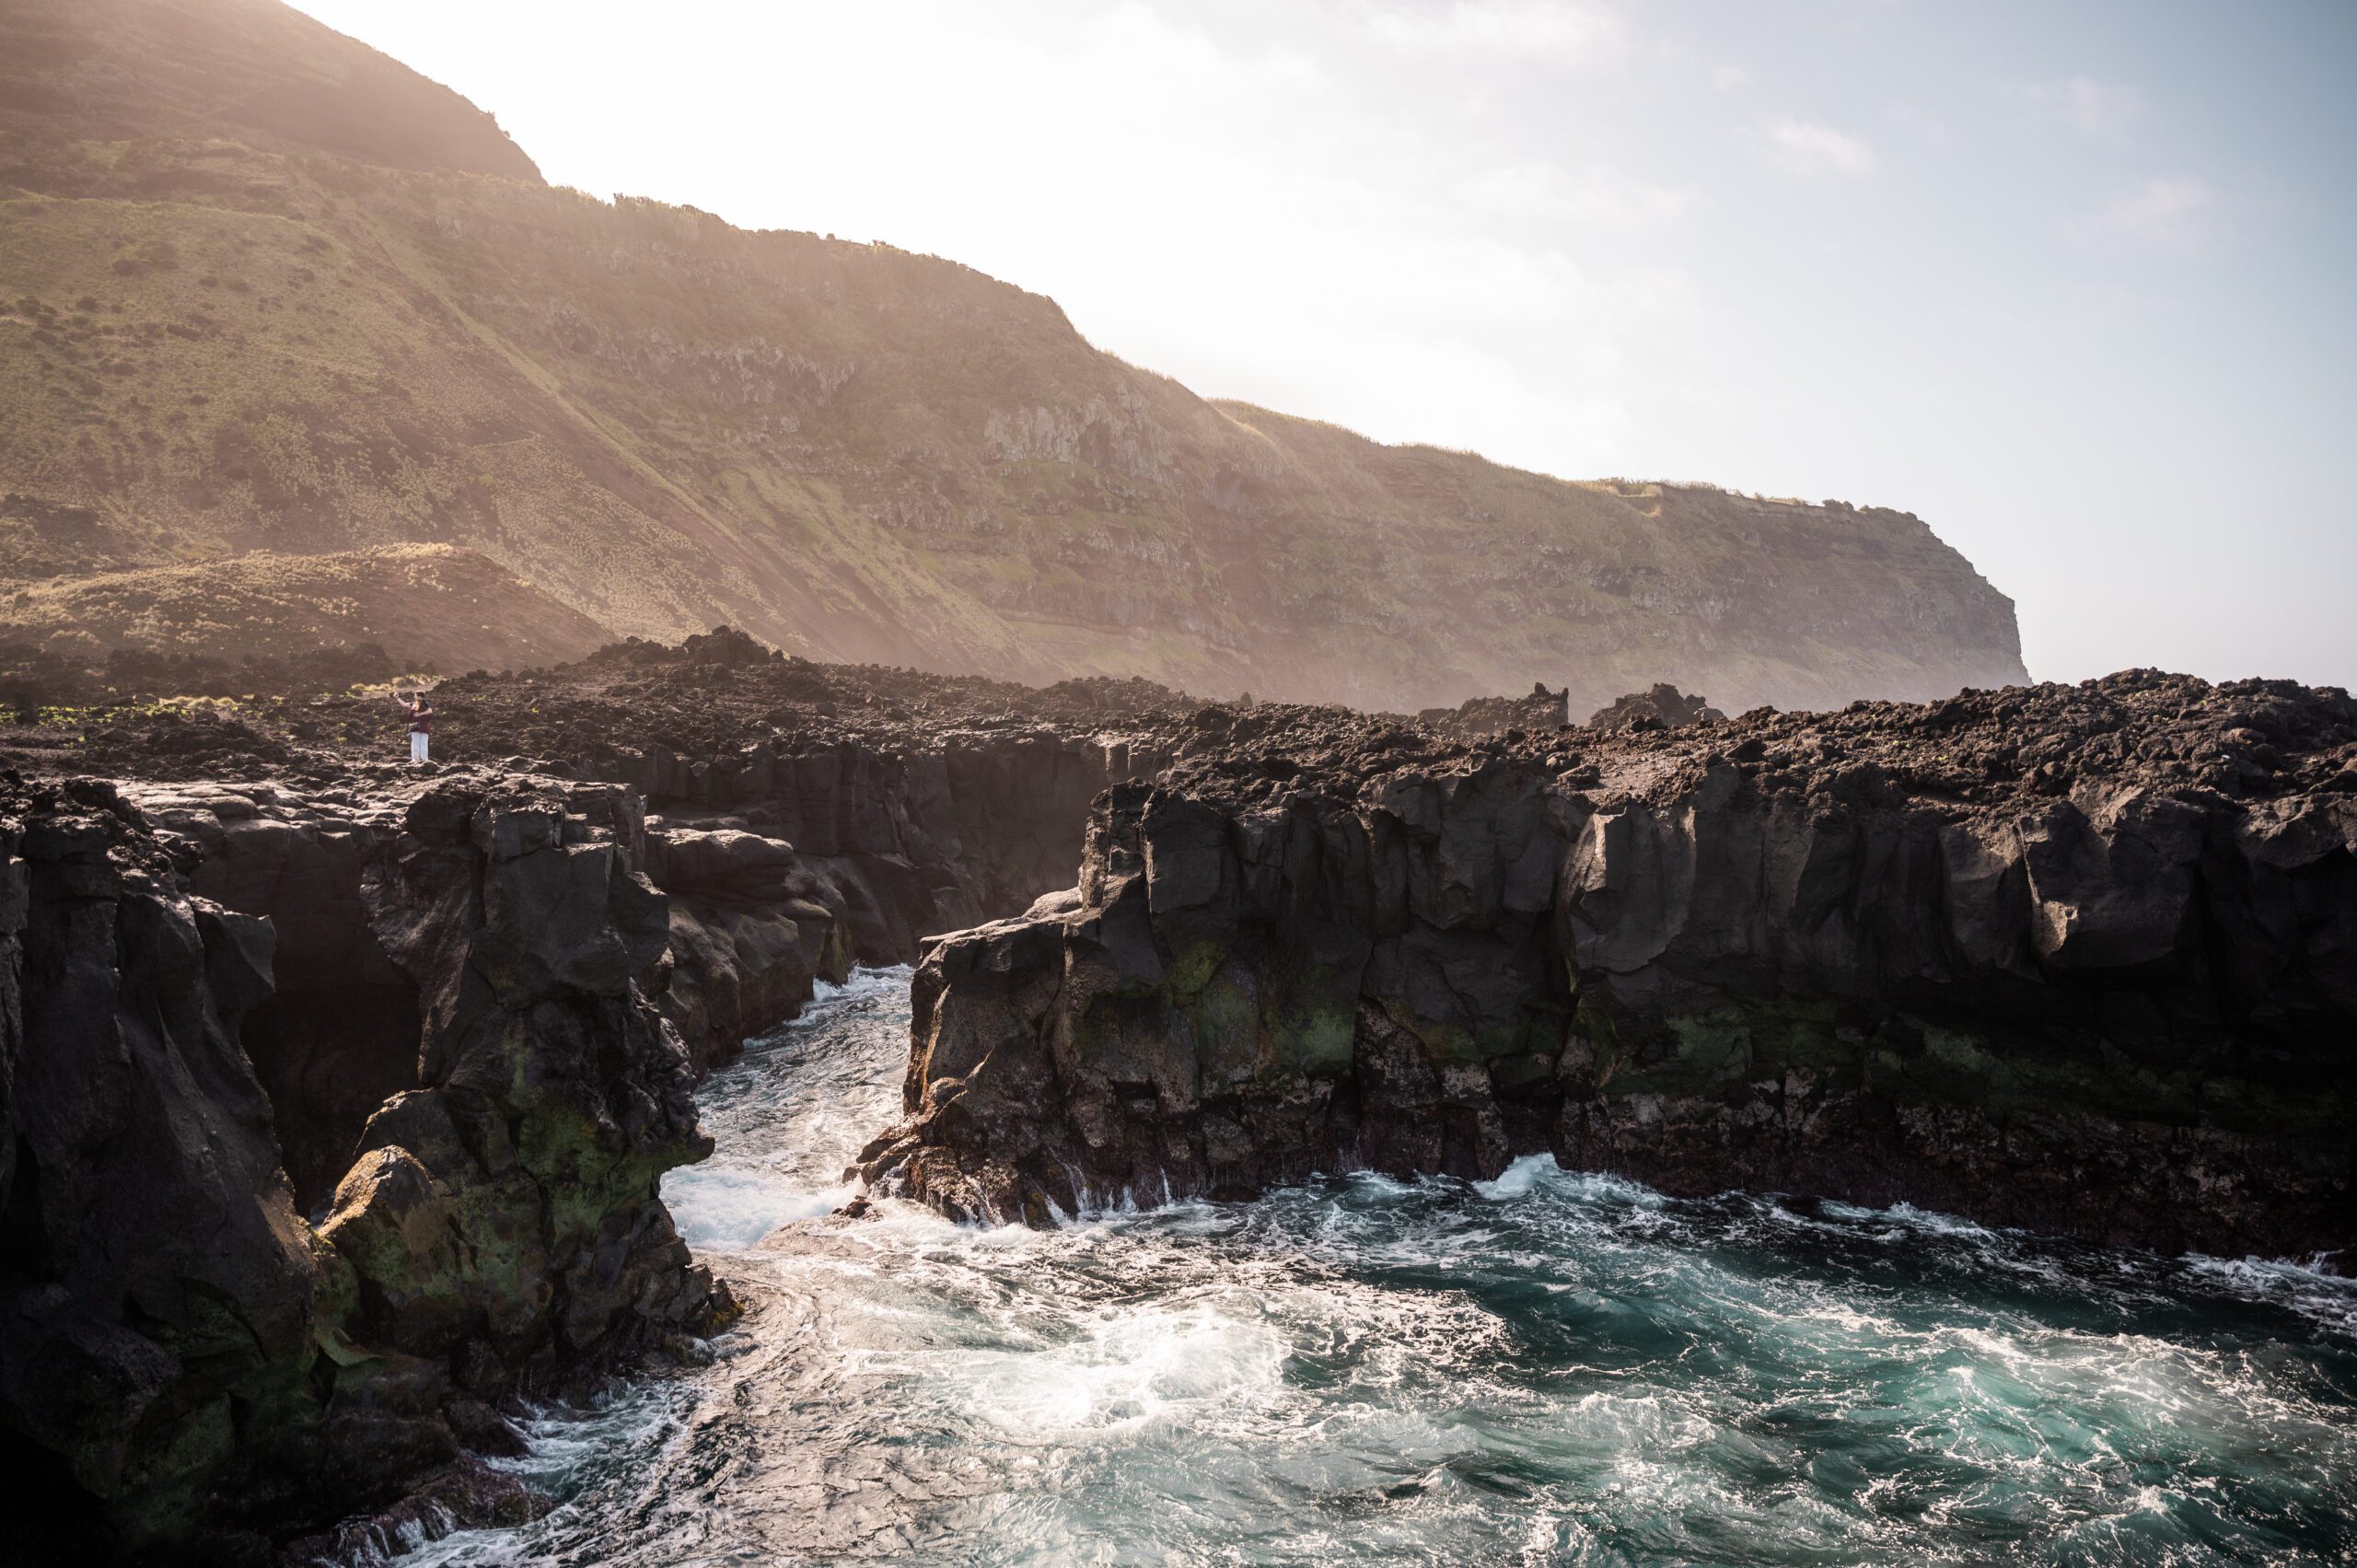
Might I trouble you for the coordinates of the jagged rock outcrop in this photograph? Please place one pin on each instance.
(443, 1027)
(1480, 716)
(156, 1285)
(753, 928)
(438, 1002)
(786, 869)
(1663, 708)
(809, 816)
(2078, 958)
(788, 866)
(518, 1091)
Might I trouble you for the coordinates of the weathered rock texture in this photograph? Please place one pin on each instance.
(2077, 959)
(791, 857)
(1663, 708)
(335, 1094)
(399, 1056)
(130, 1359)
(809, 816)
(1477, 717)
(427, 1019)
(787, 867)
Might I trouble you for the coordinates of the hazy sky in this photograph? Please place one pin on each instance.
(2075, 283)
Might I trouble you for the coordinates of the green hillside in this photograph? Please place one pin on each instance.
(219, 337)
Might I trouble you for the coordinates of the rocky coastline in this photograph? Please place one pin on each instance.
(338, 1094)
(424, 1022)
(2082, 959)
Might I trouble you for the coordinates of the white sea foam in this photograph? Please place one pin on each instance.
(1127, 1368)
(1551, 1367)
(2304, 1286)
(728, 1209)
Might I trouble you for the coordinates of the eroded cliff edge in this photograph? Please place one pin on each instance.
(336, 1097)
(440, 1000)
(2081, 958)
(338, 1093)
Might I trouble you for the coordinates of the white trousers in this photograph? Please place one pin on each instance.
(417, 739)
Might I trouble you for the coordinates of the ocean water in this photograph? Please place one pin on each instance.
(1545, 1368)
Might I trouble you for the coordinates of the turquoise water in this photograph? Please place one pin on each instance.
(1546, 1368)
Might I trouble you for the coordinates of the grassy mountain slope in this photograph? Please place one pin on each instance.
(249, 71)
(220, 341)
(439, 605)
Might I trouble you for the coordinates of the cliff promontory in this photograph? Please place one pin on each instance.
(324, 1122)
(2078, 958)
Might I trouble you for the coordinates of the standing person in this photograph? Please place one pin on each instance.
(421, 722)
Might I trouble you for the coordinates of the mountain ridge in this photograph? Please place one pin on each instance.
(853, 451)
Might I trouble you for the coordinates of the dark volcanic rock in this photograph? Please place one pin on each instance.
(789, 863)
(1481, 716)
(2078, 957)
(156, 1285)
(494, 1131)
(753, 928)
(1663, 708)
(448, 989)
(2017, 956)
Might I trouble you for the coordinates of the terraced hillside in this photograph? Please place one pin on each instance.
(250, 317)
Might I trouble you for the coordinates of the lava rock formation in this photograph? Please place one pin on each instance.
(336, 1094)
(422, 1019)
(2083, 960)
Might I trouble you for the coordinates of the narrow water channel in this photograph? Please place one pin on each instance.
(1545, 1368)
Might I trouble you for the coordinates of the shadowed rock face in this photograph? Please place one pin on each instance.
(504, 1193)
(128, 1358)
(787, 867)
(2078, 957)
(2111, 996)
(194, 1360)
(453, 1022)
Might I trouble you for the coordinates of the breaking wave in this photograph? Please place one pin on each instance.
(1548, 1368)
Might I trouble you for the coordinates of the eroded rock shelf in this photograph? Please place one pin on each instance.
(1887, 955)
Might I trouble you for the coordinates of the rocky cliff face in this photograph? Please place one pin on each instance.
(424, 1020)
(661, 422)
(2077, 959)
(334, 1095)
(337, 1096)
(786, 867)
(807, 817)
(129, 1360)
